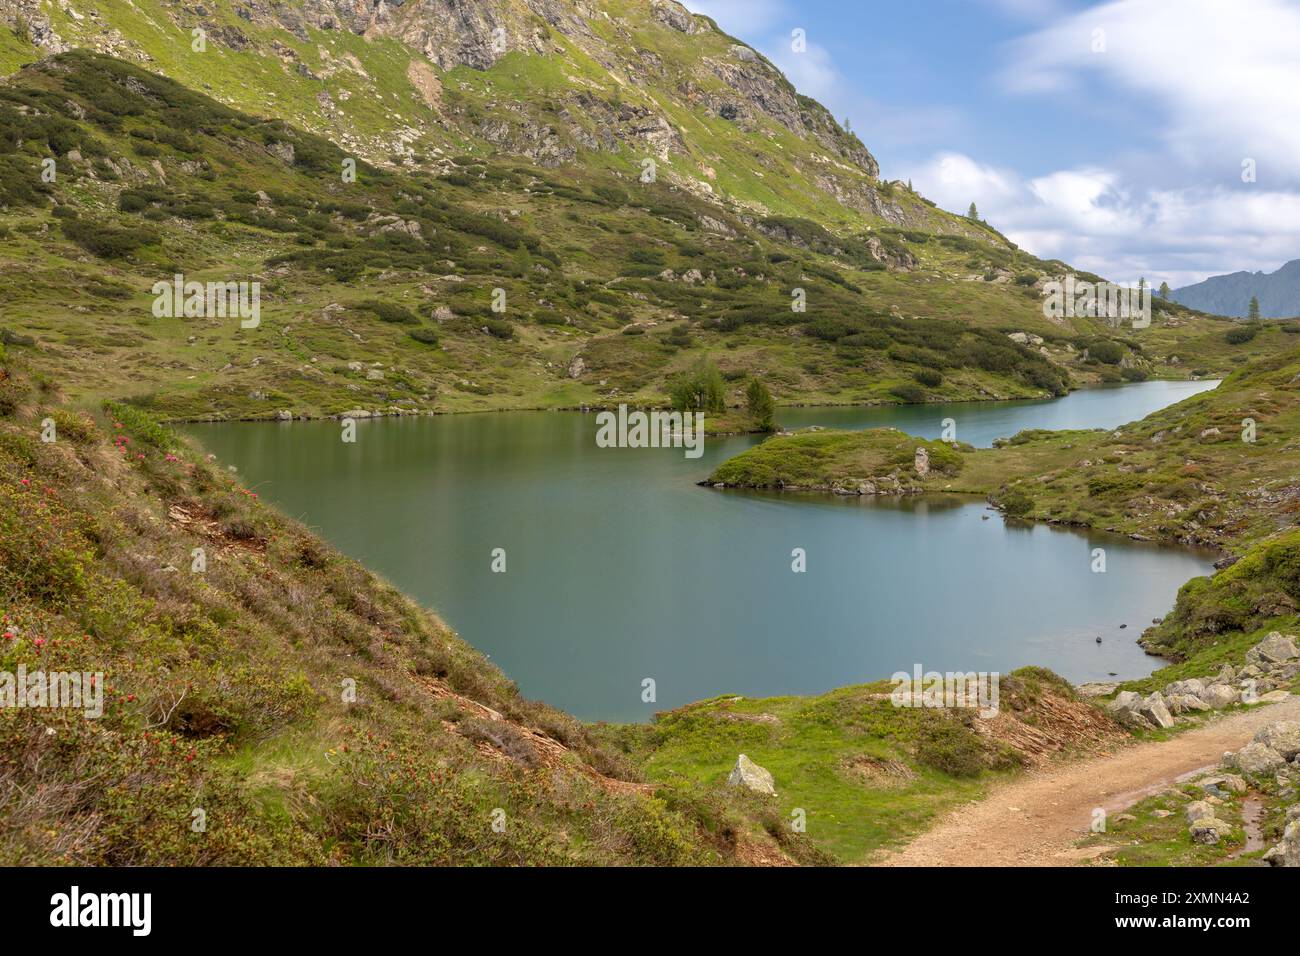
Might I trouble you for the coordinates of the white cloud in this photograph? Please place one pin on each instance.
(1089, 219)
(1222, 75)
(1209, 83)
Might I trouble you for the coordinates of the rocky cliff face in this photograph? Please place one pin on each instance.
(479, 33)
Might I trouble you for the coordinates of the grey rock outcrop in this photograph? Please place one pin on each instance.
(751, 776)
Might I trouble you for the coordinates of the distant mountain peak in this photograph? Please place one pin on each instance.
(1278, 293)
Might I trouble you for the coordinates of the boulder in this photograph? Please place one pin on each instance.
(1125, 709)
(1225, 781)
(1208, 830)
(1154, 709)
(921, 462)
(1185, 703)
(1220, 696)
(1255, 758)
(751, 776)
(1197, 810)
(1283, 737)
(1289, 847)
(1274, 649)
(1193, 685)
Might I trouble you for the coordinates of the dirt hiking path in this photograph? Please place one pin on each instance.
(1036, 819)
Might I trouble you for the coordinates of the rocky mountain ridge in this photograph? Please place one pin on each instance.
(553, 81)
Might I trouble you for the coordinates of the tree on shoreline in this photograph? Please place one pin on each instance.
(762, 409)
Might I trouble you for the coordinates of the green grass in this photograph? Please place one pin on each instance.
(864, 775)
(1151, 840)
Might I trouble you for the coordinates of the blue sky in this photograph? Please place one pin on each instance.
(1110, 135)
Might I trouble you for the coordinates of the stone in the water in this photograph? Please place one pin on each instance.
(751, 776)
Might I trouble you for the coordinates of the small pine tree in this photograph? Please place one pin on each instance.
(761, 407)
(1253, 311)
(973, 213)
(1164, 290)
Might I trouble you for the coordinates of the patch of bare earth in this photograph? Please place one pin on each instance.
(1035, 820)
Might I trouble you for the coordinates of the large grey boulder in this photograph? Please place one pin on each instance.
(751, 776)
(1185, 703)
(1193, 685)
(1154, 709)
(1283, 736)
(1125, 700)
(1220, 696)
(1255, 759)
(1274, 649)
(1125, 709)
(1197, 810)
(1287, 852)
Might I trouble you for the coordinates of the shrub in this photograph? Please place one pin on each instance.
(1241, 334)
(389, 312)
(1015, 502)
(928, 377)
(141, 425)
(908, 392)
(500, 328)
(107, 242)
(424, 334)
(949, 746)
(1106, 352)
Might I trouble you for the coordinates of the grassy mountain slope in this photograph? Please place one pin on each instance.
(378, 294)
(551, 81)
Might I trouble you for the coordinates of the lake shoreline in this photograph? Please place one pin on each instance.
(593, 408)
